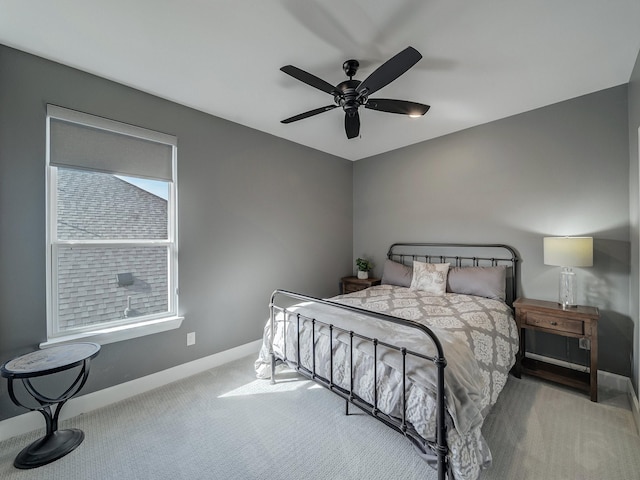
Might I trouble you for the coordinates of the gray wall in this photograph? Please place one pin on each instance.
(557, 170)
(634, 206)
(255, 213)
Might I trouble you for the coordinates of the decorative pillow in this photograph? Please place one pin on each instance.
(430, 278)
(489, 282)
(395, 273)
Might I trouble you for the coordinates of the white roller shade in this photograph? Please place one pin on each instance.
(79, 140)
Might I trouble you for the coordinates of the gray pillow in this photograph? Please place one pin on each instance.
(395, 273)
(489, 282)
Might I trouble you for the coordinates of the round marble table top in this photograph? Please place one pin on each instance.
(49, 360)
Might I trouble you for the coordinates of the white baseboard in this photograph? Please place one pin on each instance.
(92, 401)
(635, 405)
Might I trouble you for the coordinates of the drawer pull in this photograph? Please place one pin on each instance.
(554, 323)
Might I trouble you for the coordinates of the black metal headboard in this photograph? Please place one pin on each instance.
(461, 255)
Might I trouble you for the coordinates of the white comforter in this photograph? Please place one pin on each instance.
(479, 338)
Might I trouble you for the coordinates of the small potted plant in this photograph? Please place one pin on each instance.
(364, 266)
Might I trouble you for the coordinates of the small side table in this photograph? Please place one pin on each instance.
(355, 284)
(56, 443)
(577, 322)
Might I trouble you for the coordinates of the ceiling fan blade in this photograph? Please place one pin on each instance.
(389, 71)
(309, 79)
(352, 123)
(397, 106)
(308, 114)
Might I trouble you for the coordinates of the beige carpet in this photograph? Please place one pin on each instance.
(542, 431)
(225, 424)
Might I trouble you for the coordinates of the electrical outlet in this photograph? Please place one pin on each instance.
(191, 338)
(584, 343)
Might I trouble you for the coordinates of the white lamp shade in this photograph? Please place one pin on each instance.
(568, 251)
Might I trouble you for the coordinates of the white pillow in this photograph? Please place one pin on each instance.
(430, 278)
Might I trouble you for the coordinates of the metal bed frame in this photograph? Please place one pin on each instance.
(433, 450)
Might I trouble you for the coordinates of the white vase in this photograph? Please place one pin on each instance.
(363, 275)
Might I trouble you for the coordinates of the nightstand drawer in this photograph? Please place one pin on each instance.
(355, 284)
(558, 324)
(352, 287)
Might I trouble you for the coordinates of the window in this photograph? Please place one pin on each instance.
(111, 229)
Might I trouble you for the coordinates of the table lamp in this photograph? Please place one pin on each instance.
(568, 252)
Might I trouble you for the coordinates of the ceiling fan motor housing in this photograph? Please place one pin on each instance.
(347, 97)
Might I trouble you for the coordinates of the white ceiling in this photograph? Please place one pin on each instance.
(482, 60)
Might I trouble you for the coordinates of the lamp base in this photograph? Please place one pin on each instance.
(568, 290)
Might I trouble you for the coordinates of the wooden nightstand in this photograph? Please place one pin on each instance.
(550, 317)
(354, 284)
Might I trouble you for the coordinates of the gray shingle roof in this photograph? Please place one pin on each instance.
(94, 205)
(98, 206)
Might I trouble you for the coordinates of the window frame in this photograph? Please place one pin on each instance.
(121, 329)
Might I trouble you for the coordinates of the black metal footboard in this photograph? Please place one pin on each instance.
(434, 449)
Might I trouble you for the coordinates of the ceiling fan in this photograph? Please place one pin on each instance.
(351, 94)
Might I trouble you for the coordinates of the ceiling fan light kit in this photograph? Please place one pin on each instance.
(351, 94)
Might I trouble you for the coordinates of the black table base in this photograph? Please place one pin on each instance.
(56, 443)
(49, 448)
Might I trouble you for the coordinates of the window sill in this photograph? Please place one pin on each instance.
(117, 334)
